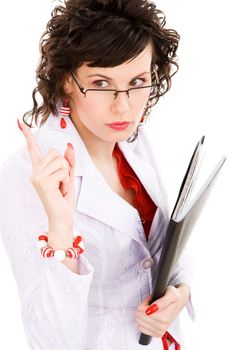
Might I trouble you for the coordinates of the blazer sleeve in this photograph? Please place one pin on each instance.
(184, 273)
(53, 298)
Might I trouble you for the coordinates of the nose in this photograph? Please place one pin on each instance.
(121, 104)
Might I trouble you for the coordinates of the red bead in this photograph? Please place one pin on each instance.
(76, 242)
(72, 253)
(79, 250)
(63, 123)
(69, 254)
(43, 238)
(50, 253)
(47, 252)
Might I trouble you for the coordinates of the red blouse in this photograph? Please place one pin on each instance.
(142, 201)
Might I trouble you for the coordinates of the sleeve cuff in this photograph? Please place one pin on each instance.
(66, 278)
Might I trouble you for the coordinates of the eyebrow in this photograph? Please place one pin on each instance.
(104, 76)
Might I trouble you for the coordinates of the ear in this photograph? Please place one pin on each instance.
(68, 85)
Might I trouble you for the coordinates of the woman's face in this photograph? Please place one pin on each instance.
(92, 114)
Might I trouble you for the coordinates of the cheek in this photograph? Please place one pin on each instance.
(91, 116)
(139, 112)
(84, 110)
(89, 108)
(82, 103)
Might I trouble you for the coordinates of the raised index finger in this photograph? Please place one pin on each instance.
(31, 143)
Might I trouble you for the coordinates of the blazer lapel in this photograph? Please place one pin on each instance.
(99, 201)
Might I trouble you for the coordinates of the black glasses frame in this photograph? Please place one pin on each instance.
(116, 92)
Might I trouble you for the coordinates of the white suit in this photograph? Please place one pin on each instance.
(95, 310)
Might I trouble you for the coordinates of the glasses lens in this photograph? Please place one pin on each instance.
(143, 93)
(100, 96)
(135, 94)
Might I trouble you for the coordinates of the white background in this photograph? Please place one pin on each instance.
(199, 103)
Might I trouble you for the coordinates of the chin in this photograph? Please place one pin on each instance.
(124, 138)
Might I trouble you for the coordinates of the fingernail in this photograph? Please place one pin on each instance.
(70, 145)
(151, 309)
(19, 124)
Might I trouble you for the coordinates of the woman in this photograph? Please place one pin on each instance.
(89, 174)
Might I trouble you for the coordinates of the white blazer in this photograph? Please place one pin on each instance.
(95, 310)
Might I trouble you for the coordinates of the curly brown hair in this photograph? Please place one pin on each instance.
(81, 30)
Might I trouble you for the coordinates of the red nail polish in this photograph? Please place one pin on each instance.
(70, 145)
(19, 124)
(151, 309)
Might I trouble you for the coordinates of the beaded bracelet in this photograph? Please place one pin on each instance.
(59, 254)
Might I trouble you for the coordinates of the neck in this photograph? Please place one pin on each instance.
(99, 151)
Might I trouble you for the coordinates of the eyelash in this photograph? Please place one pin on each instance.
(98, 81)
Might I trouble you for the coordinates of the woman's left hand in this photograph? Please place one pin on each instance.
(168, 307)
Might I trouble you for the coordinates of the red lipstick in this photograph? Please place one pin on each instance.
(119, 125)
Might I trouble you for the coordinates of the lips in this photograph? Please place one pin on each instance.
(119, 124)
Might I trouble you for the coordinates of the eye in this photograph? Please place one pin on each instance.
(100, 83)
(135, 84)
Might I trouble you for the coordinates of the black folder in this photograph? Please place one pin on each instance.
(181, 224)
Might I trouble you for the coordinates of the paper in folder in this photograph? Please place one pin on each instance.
(181, 223)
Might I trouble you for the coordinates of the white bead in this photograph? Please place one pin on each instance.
(59, 254)
(41, 244)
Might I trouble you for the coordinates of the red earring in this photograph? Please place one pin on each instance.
(142, 121)
(64, 112)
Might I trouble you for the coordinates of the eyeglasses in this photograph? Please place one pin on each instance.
(108, 95)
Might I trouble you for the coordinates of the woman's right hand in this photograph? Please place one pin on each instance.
(53, 180)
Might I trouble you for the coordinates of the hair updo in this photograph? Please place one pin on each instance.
(82, 30)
